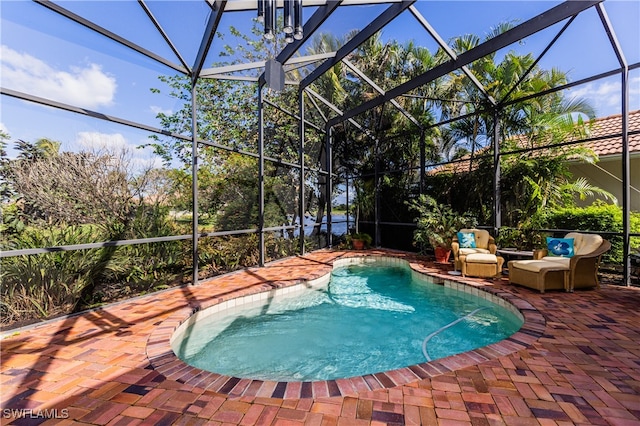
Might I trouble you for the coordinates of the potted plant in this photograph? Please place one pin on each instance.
(359, 240)
(437, 225)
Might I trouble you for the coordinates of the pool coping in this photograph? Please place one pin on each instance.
(162, 358)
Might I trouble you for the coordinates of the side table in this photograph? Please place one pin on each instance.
(513, 254)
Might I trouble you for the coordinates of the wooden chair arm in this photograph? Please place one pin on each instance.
(604, 247)
(455, 248)
(540, 253)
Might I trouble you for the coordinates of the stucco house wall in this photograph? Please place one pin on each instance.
(607, 172)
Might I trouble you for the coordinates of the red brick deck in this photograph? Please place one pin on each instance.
(576, 361)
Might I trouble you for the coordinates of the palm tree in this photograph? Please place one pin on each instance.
(42, 148)
(530, 181)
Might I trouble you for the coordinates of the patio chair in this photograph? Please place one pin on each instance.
(483, 243)
(573, 267)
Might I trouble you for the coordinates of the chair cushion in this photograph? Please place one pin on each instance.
(557, 259)
(584, 243)
(562, 247)
(537, 265)
(467, 239)
(481, 258)
(482, 237)
(468, 251)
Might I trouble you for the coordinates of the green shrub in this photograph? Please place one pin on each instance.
(277, 247)
(598, 217)
(218, 255)
(523, 238)
(142, 266)
(12, 221)
(635, 228)
(42, 285)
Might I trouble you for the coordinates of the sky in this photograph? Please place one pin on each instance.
(44, 54)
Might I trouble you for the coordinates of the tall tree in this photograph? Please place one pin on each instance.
(227, 115)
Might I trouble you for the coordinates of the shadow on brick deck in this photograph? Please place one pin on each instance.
(576, 361)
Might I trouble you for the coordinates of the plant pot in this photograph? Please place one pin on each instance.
(442, 254)
(357, 244)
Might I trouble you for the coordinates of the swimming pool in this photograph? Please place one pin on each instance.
(369, 318)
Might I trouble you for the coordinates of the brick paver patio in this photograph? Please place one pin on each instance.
(576, 361)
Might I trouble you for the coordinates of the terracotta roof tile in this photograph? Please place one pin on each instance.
(613, 125)
(605, 126)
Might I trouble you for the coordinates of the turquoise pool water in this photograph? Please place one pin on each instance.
(369, 319)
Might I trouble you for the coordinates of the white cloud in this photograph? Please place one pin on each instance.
(601, 95)
(87, 87)
(101, 141)
(4, 129)
(157, 110)
(146, 160)
(117, 144)
(606, 96)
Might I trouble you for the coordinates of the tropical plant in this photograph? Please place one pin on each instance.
(437, 223)
(39, 286)
(525, 237)
(359, 240)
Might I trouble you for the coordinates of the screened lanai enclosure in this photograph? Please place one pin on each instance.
(152, 143)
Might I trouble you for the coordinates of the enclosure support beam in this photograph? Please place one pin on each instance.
(444, 46)
(163, 33)
(260, 176)
(626, 177)
(346, 178)
(525, 74)
(321, 14)
(329, 185)
(380, 90)
(194, 185)
(317, 107)
(530, 27)
(207, 38)
(103, 31)
(223, 70)
(135, 125)
(338, 111)
(376, 25)
(376, 201)
(301, 194)
(497, 210)
(423, 160)
(292, 115)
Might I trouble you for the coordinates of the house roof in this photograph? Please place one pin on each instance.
(600, 127)
(612, 125)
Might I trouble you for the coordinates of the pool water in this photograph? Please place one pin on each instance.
(369, 319)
